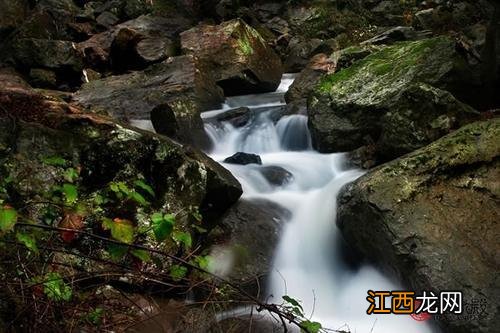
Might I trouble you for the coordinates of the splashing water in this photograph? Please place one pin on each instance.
(308, 264)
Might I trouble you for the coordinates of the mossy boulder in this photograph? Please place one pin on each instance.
(401, 86)
(176, 89)
(432, 217)
(236, 55)
(41, 137)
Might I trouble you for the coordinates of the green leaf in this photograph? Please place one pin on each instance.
(162, 225)
(121, 230)
(143, 255)
(28, 241)
(8, 218)
(142, 185)
(70, 175)
(292, 301)
(55, 161)
(203, 262)
(178, 272)
(70, 192)
(117, 252)
(310, 326)
(184, 238)
(138, 198)
(95, 316)
(55, 288)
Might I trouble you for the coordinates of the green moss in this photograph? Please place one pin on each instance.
(402, 62)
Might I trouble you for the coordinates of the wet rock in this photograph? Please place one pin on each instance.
(137, 43)
(46, 53)
(13, 13)
(43, 78)
(237, 56)
(276, 175)
(300, 52)
(243, 159)
(249, 234)
(398, 34)
(432, 217)
(107, 19)
(238, 117)
(175, 84)
(399, 86)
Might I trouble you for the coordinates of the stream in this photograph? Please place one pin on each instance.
(309, 264)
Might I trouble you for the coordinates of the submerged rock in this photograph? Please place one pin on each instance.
(237, 56)
(175, 89)
(432, 218)
(276, 175)
(243, 159)
(397, 89)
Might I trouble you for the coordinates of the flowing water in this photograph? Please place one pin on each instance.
(309, 264)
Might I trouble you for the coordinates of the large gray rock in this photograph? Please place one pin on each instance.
(237, 56)
(134, 44)
(394, 98)
(432, 218)
(175, 88)
(249, 234)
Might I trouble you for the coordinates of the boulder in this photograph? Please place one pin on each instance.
(237, 56)
(397, 34)
(243, 159)
(134, 44)
(300, 52)
(46, 53)
(13, 13)
(431, 217)
(174, 88)
(248, 236)
(302, 86)
(238, 117)
(400, 89)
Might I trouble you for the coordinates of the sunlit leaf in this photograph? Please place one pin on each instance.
(55, 288)
(70, 175)
(8, 218)
(142, 185)
(143, 255)
(121, 230)
(183, 237)
(70, 192)
(178, 272)
(54, 161)
(162, 225)
(28, 241)
(310, 326)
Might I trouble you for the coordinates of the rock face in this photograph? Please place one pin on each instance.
(250, 231)
(238, 57)
(432, 218)
(175, 89)
(134, 44)
(395, 92)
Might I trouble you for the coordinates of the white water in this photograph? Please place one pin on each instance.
(308, 265)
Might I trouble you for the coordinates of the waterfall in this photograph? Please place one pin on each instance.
(308, 263)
